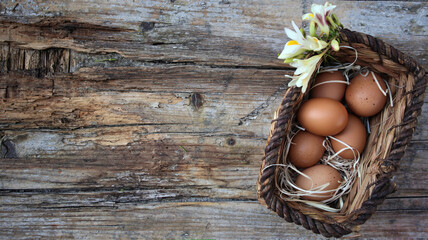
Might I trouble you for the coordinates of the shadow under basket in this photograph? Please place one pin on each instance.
(391, 132)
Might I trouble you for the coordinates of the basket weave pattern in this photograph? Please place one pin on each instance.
(386, 147)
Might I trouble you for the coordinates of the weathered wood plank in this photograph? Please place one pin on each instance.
(160, 133)
(402, 25)
(140, 95)
(191, 220)
(236, 33)
(180, 166)
(96, 197)
(109, 196)
(218, 32)
(149, 94)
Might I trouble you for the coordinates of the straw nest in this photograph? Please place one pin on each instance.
(390, 132)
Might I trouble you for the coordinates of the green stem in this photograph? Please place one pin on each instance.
(335, 59)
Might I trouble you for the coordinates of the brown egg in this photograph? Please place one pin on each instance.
(363, 95)
(354, 135)
(306, 149)
(320, 175)
(323, 116)
(333, 90)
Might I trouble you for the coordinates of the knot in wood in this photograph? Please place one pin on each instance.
(196, 100)
(231, 141)
(147, 26)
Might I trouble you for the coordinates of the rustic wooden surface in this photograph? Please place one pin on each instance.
(148, 119)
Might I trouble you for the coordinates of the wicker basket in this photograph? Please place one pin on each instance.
(391, 132)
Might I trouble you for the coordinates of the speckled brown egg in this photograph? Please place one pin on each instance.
(363, 95)
(324, 88)
(354, 135)
(319, 175)
(306, 149)
(322, 116)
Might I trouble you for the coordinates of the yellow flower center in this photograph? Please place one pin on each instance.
(292, 42)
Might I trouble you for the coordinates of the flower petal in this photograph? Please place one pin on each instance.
(316, 44)
(328, 7)
(298, 32)
(296, 28)
(304, 71)
(308, 16)
(316, 8)
(290, 51)
(304, 87)
(302, 79)
(293, 82)
(291, 34)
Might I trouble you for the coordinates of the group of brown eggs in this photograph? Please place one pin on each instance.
(325, 118)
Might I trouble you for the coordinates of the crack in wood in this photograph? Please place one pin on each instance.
(37, 63)
(255, 113)
(51, 61)
(59, 23)
(168, 194)
(4, 126)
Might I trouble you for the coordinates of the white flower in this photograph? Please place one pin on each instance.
(299, 44)
(304, 71)
(319, 16)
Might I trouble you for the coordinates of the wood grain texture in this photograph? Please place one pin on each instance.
(185, 220)
(210, 32)
(148, 119)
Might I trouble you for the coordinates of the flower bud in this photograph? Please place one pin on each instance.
(313, 29)
(335, 45)
(331, 21)
(336, 20)
(303, 32)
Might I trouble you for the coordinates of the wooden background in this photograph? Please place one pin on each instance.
(148, 119)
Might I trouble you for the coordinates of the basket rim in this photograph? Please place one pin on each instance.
(383, 185)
